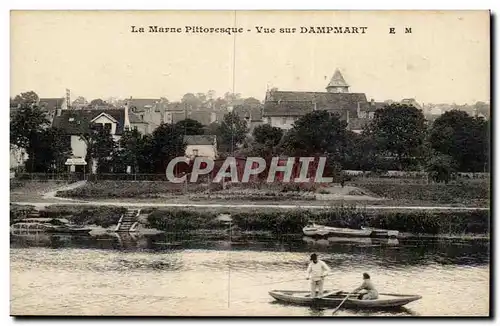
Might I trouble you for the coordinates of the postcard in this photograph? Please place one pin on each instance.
(250, 163)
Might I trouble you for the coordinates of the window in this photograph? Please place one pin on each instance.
(283, 121)
(107, 126)
(195, 152)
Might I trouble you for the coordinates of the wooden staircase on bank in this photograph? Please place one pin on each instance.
(128, 222)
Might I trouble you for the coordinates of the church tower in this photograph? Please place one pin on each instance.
(337, 84)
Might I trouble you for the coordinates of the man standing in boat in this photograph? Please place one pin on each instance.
(316, 272)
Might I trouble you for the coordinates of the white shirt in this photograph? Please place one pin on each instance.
(316, 271)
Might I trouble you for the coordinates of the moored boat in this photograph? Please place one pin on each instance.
(70, 229)
(31, 227)
(382, 232)
(48, 225)
(331, 299)
(322, 230)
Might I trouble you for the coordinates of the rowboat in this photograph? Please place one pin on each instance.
(331, 299)
(382, 232)
(322, 230)
(72, 229)
(47, 225)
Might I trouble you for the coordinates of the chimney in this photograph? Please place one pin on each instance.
(126, 122)
(372, 101)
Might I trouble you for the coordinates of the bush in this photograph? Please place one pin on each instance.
(469, 193)
(87, 215)
(292, 222)
(18, 212)
(182, 220)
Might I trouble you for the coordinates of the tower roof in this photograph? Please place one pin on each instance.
(337, 80)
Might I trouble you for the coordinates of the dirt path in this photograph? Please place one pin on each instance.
(51, 195)
(249, 205)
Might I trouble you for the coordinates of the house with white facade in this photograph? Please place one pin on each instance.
(76, 123)
(201, 145)
(283, 108)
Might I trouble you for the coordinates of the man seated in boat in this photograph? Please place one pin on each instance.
(316, 272)
(367, 285)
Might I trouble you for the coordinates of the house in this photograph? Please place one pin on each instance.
(150, 111)
(18, 157)
(252, 115)
(76, 123)
(411, 102)
(283, 108)
(51, 105)
(201, 145)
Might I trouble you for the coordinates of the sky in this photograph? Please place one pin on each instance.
(445, 59)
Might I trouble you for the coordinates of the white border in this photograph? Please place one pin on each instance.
(200, 4)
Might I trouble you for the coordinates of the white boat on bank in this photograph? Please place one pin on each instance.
(314, 229)
(382, 232)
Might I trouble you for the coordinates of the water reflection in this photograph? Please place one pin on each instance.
(385, 252)
(174, 274)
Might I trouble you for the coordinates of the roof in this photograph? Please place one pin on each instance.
(199, 139)
(244, 111)
(284, 108)
(51, 104)
(337, 80)
(412, 102)
(282, 103)
(372, 106)
(139, 104)
(203, 117)
(176, 106)
(76, 122)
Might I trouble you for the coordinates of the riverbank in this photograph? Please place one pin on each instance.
(388, 192)
(277, 221)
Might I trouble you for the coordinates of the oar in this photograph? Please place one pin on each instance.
(340, 305)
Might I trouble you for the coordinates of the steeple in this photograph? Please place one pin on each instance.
(337, 83)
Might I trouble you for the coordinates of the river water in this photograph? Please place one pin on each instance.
(169, 275)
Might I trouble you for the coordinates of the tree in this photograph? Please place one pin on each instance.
(97, 102)
(167, 143)
(317, 133)
(267, 135)
(50, 149)
(191, 101)
(232, 132)
(482, 108)
(26, 98)
(440, 167)
(399, 130)
(80, 102)
(190, 127)
(129, 151)
(251, 102)
(232, 98)
(25, 124)
(464, 138)
(102, 150)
